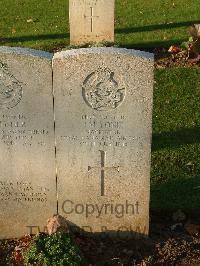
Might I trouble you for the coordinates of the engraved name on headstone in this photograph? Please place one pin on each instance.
(27, 156)
(91, 21)
(103, 114)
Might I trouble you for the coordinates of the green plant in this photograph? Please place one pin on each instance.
(187, 45)
(192, 46)
(55, 250)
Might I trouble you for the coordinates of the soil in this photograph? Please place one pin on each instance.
(164, 59)
(170, 243)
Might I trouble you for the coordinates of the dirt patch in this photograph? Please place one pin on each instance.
(164, 59)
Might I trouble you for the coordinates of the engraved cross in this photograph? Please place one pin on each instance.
(103, 169)
(91, 17)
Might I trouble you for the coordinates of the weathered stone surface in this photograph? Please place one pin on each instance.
(27, 168)
(103, 109)
(56, 224)
(91, 21)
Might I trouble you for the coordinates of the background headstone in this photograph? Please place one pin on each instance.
(103, 113)
(91, 21)
(27, 150)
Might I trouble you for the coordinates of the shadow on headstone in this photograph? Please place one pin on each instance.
(122, 234)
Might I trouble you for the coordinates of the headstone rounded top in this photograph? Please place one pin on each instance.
(104, 50)
(25, 51)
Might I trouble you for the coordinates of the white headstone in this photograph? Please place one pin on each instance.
(91, 21)
(103, 113)
(27, 151)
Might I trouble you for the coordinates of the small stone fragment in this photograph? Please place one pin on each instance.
(57, 224)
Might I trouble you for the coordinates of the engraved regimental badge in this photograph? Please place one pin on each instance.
(101, 91)
(10, 88)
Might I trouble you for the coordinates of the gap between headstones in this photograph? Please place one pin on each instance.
(54, 128)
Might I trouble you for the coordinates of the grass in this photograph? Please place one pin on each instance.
(154, 23)
(139, 24)
(176, 120)
(176, 140)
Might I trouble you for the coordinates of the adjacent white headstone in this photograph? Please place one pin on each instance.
(103, 114)
(27, 150)
(91, 21)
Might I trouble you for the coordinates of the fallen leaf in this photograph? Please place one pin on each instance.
(29, 20)
(174, 49)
